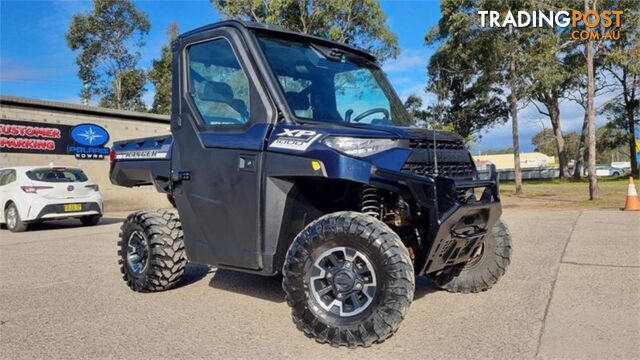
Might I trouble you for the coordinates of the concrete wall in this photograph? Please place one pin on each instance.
(116, 198)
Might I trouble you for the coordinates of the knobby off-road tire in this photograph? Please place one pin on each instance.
(151, 251)
(376, 255)
(480, 273)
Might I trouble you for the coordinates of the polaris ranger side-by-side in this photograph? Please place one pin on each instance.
(292, 154)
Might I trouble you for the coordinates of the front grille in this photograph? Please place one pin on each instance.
(440, 145)
(444, 169)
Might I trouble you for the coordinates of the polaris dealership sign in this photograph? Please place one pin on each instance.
(84, 141)
(89, 140)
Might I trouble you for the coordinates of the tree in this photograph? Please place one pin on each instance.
(132, 84)
(160, 75)
(356, 22)
(473, 65)
(462, 72)
(106, 65)
(549, 79)
(591, 48)
(545, 142)
(413, 105)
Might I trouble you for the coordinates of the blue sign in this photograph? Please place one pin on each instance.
(89, 140)
(89, 135)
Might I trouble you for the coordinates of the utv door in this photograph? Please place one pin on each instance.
(219, 123)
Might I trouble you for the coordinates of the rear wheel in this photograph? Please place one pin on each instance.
(90, 220)
(151, 251)
(348, 280)
(12, 219)
(484, 269)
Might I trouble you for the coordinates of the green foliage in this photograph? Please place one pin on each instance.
(160, 75)
(545, 142)
(104, 37)
(131, 83)
(413, 105)
(357, 22)
(467, 68)
(508, 150)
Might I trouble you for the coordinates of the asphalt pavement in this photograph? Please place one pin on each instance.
(572, 291)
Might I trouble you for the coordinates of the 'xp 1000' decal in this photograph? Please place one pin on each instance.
(292, 139)
(89, 140)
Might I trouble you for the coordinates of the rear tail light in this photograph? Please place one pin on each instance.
(93, 187)
(34, 189)
(112, 156)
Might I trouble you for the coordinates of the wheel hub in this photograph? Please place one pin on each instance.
(343, 281)
(137, 252)
(11, 218)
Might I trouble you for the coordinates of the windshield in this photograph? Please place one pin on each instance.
(328, 85)
(57, 175)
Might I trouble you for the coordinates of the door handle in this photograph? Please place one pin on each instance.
(247, 163)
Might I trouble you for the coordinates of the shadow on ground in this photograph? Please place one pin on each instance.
(424, 287)
(70, 223)
(193, 273)
(270, 287)
(263, 287)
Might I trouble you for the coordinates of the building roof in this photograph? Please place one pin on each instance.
(81, 109)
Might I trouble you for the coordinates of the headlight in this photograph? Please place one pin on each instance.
(360, 147)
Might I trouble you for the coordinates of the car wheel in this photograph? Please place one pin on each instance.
(151, 251)
(348, 280)
(90, 220)
(12, 219)
(484, 269)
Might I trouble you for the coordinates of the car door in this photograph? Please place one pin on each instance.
(219, 127)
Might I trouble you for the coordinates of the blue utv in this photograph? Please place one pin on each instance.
(291, 154)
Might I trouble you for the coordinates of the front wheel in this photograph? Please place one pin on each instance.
(348, 280)
(485, 267)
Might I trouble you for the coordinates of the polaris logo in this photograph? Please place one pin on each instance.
(294, 139)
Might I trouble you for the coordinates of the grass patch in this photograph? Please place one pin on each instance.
(565, 193)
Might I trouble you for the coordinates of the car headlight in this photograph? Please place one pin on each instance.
(360, 147)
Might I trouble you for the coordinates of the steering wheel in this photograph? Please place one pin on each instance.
(363, 115)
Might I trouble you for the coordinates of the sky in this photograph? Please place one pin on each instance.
(35, 61)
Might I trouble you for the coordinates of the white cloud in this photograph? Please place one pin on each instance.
(408, 60)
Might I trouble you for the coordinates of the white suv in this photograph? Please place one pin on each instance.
(34, 194)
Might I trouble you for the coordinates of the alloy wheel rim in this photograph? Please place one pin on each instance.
(137, 252)
(343, 281)
(11, 218)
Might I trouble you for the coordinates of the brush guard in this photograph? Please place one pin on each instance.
(451, 230)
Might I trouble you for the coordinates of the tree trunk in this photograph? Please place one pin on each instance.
(632, 143)
(514, 120)
(580, 155)
(554, 114)
(591, 117)
(118, 92)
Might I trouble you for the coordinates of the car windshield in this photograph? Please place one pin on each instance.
(57, 175)
(329, 85)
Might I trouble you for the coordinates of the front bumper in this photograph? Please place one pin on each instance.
(450, 230)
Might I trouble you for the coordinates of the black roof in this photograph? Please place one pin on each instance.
(281, 32)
